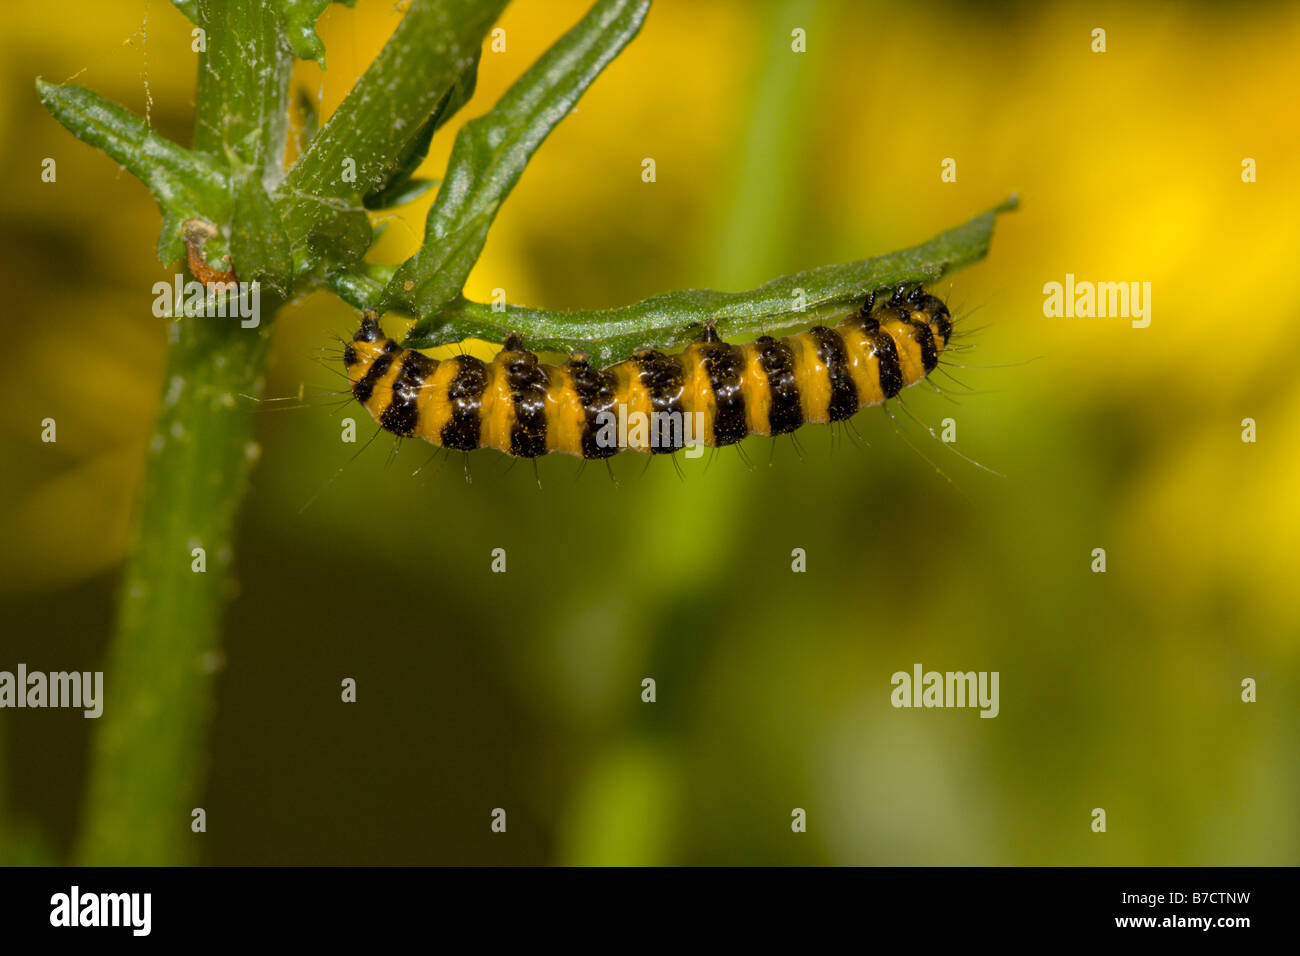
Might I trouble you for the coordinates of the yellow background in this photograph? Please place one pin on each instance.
(1118, 690)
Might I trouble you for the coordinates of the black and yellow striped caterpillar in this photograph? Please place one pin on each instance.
(710, 394)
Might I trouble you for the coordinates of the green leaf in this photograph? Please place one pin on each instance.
(342, 239)
(409, 191)
(299, 18)
(491, 152)
(445, 264)
(429, 52)
(188, 7)
(676, 318)
(186, 184)
(360, 288)
(396, 190)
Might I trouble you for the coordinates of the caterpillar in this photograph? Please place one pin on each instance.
(769, 386)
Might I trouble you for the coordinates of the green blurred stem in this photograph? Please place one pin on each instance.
(761, 211)
(147, 756)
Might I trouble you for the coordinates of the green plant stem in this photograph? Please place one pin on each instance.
(148, 753)
(242, 103)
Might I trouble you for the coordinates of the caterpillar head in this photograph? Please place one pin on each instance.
(930, 309)
(370, 330)
(915, 304)
(367, 345)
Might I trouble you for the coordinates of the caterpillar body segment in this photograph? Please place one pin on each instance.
(711, 393)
